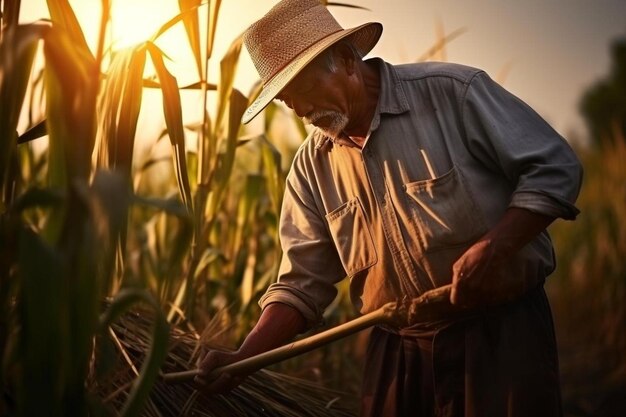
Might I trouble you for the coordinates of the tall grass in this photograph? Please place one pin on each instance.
(84, 220)
(588, 289)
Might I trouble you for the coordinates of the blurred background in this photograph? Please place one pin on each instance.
(200, 236)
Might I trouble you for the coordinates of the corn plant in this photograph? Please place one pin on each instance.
(53, 275)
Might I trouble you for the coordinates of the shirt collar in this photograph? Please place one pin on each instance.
(391, 99)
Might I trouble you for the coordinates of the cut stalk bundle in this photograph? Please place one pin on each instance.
(265, 393)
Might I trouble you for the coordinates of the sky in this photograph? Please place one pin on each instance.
(549, 50)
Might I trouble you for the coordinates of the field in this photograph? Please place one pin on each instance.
(94, 227)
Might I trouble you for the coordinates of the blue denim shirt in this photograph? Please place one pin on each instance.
(449, 150)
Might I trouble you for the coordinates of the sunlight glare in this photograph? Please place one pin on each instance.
(135, 21)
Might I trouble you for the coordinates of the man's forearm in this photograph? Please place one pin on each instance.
(279, 323)
(472, 272)
(516, 229)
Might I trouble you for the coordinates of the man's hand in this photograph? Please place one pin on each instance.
(473, 272)
(278, 324)
(224, 382)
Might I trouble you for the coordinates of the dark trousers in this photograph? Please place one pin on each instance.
(501, 362)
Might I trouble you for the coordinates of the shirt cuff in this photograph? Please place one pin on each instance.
(541, 203)
(279, 293)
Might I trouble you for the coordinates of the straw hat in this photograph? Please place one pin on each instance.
(289, 37)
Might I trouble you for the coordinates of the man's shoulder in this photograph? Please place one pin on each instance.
(424, 70)
(315, 140)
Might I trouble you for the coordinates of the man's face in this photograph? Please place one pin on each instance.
(317, 96)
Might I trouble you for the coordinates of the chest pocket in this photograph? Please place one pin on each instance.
(444, 212)
(352, 237)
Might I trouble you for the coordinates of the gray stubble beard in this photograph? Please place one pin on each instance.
(338, 122)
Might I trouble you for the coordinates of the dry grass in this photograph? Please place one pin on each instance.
(264, 393)
(588, 290)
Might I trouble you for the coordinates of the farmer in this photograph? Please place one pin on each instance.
(415, 176)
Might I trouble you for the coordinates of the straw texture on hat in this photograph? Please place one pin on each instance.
(289, 37)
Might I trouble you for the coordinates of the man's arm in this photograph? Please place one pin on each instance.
(279, 323)
(471, 273)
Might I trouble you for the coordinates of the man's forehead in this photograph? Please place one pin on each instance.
(303, 76)
(297, 81)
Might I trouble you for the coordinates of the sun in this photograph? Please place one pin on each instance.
(135, 21)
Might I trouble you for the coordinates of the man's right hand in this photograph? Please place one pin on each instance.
(224, 382)
(279, 323)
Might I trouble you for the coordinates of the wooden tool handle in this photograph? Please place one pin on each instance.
(399, 314)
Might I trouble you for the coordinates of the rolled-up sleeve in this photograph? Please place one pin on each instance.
(507, 136)
(310, 266)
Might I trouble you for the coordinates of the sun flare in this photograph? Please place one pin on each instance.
(136, 21)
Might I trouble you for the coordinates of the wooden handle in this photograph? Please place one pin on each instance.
(398, 314)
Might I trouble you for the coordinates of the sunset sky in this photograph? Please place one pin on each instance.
(550, 50)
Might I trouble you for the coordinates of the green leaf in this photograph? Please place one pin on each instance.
(174, 123)
(44, 335)
(37, 197)
(273, 173)
(156, 354)
(71, 100)
(226, 158)
(228, 70)
(63, 16)
(119, 107)
(209, 256)
(17, 51)
(35, 132)
(110, 200)
(70, 117)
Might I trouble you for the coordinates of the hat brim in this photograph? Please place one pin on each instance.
(365, 38)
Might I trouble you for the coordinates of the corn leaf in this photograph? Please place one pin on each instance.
(70, 106)
(209, 256)
(173, 207)
(226, 158)
(192, 27)
(246, 214)
(170, 23)
(37, 197)
(17, 51)
(110, 201)
(228, 70)
(119, 106)
(71, 94)
(35, 132)
(44, 337)
(273, 173)
(63, 17)
(174, 121)
(214, 10)
(193, 86)
(157, 351)
(178, 247)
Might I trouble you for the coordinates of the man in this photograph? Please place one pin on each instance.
(417, 176)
